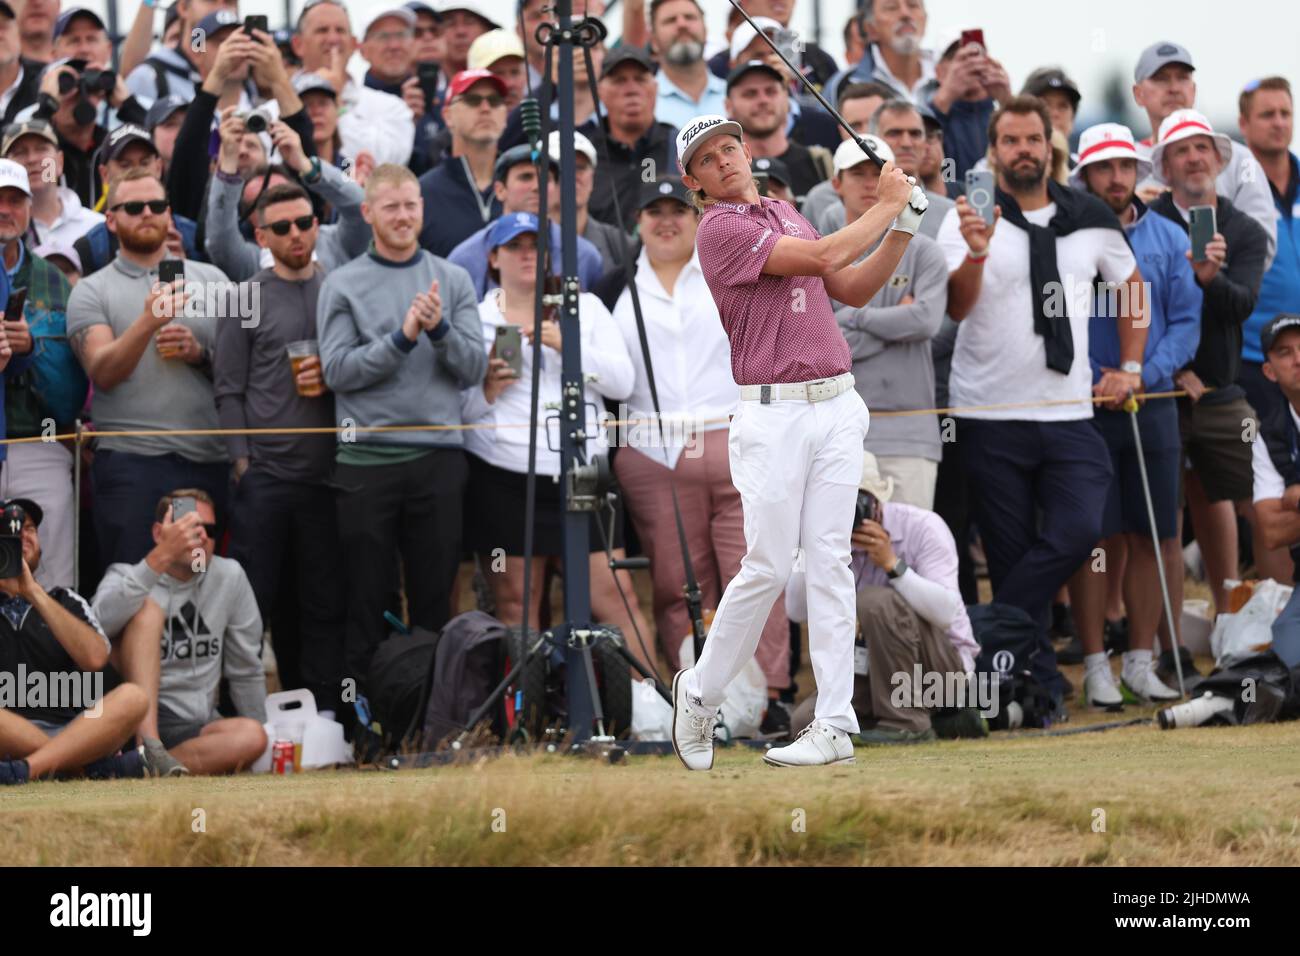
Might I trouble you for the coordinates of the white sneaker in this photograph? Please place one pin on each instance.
(1146, 688)
(819, 744)
(1101, 691)
(692, 727)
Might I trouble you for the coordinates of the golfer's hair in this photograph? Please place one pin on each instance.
(165, 502)
(130, 176)
(893, 105)
(1277, 83)
(1020, 106)
(698, 197)
(387, 174)
(280, 192)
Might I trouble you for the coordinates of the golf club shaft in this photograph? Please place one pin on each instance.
(808, 84)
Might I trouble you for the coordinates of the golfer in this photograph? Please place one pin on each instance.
(796, 438)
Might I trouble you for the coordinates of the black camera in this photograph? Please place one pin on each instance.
(11, 541)
(867, 509)
(98, 81)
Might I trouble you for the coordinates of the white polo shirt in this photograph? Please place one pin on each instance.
(1269, 483)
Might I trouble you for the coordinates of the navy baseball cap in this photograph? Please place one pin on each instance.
(775, 169)
(30, 508)
(67, 16)
(1276, 326)
(219, 20)
(512, 157)
(749, 66)
(162, 109)
(668, 187)
(509, 226)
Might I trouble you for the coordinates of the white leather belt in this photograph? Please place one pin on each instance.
(818, 391)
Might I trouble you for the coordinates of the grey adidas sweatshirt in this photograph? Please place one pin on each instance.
(377, 375)
(212, 629)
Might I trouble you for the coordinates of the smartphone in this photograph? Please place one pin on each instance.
(169, 270)
(183, 506)
(428, 75)
(509, 346)
(972, 36)
(980, 192)
(1201, 228)
(14, 307)
(254, 22)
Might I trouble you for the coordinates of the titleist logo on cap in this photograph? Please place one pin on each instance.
(692, 131)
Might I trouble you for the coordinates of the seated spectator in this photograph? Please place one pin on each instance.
(758, 100)
(691, 358)
(50, 388)
(403, 496)
(370, 120)
(517, 190)
(164, 121)
(1110, 168)
(910, 614)
(686, 88)
(611, 242)
(1162, 84)
(1276, 470)
(147, 350)
(893, 31)
(889, 339)
(858, 104)
(173, 69)
(631, 136)
(459, 194)
(498, 458)
(971, 85)
(55, 632)
(1190, 157)
(200, 608)
(127, 148)
(17, 73)
(57, 212)
(283, 513)
(238, 258)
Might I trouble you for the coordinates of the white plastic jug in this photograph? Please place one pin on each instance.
(322, 739)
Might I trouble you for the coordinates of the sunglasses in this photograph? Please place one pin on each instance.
(475, 100)
(281, 227)
(136, 206)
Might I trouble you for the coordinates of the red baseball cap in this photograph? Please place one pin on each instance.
(463, 80)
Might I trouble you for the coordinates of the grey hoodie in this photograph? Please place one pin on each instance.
(211, 629)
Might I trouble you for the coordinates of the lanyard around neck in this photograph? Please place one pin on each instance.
(484, 206)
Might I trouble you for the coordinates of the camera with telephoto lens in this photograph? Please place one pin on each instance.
(255, 121)
(1194, 712)
(11, 541)
(867, 509)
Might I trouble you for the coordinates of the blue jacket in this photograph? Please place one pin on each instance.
(17, 363)
(472, 256)
(1280, 290)
(965, 138)
(451, 213)
(1174, 303)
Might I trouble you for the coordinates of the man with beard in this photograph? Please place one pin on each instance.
(283, 515)
(686, 86)
(894, 30)
(1110, 168)
(758, 100)
(146, 348)
(1038, 473)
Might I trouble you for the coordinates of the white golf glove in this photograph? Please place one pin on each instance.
(909, 220)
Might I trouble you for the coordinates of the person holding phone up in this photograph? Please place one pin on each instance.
(1229, 251)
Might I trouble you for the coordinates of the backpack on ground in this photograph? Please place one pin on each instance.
(1009, 657)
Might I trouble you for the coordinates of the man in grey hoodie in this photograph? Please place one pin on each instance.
(201, 609)
(400, 337)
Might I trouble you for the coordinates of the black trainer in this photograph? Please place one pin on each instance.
(776, 721)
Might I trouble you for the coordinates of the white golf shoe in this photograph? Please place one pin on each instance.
(692, 727)
(1145, 687)
(819, 744)
(1101, 691)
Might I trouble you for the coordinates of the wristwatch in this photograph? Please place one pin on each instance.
(900, 568)
(1131, 367)
(313, 175)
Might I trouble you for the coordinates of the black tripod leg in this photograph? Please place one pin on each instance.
(498, 692)
(630, 659)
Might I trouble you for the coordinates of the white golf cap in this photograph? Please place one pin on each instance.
(404, 14)
(849, 154)
(1184, 124)
(744, 34)
(494, 45)
(475, 7)
(11, 174)
(872, 482)
(1107, 141)
(697, 131)
(580, 143)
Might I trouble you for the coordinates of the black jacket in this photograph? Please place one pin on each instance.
(625, 167)
(28, 90)
(1229, 298)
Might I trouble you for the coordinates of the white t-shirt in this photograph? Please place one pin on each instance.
(1268, 482)
(998, 358)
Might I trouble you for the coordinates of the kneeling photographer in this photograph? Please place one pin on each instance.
(910, 612)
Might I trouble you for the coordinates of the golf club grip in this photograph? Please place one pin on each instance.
(871, 153)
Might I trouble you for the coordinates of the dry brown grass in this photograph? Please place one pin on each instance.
(1205, 797)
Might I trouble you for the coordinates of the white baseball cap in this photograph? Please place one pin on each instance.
(11, 174)
(405, 14)
(475, 7)
(849, 154)
(494, 45)
(580, 143)
(872, 481)
(693, 135)
(744, 34)
(1184, 124)
(1107, 141)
